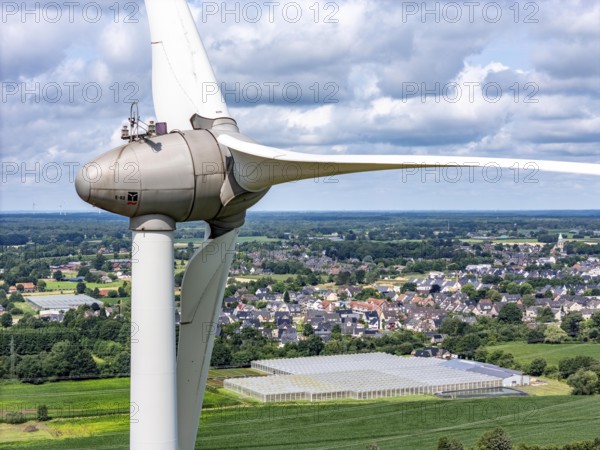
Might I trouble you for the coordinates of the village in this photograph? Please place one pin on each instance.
(341, 298)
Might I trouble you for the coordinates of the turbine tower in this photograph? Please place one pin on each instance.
(203, 170)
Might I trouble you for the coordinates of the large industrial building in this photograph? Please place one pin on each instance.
(368, 376)
(62, 302)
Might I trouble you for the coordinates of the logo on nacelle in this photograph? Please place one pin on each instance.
(132, 198)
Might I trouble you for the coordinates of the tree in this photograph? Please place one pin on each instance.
(31, 369)
(99, 261)
(571, 323)
(535, 336)
(242, 358)
(583, 382)
(528, 300)
(510, 313)
(360, 276)
(545, 315)
(41, 286)
(307, 330)
(469, 290)
(57, 275)
(554, 334)
(467, 345)
(312, 346)
(221, 355)
(121, 364)
(596, 320)
(537, 367)
(512, 288)
(372, 276)
(286, 297)
(568, 366)
(526, 289)
(497, 439)
(494, 295)
(42, 413)
(70, 359)
(366, 293)
(336, 331)
(6, 320)
(449, 444)
(452, 326)
(80, 288)
(412, 287)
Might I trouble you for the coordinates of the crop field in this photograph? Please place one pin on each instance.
(93, 414)
(398, 424)
(552, 353)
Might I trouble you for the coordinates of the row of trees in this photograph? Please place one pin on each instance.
(235, 347)
(87, 344)
(499, 439)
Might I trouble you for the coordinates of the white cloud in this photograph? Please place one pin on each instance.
(365, 63)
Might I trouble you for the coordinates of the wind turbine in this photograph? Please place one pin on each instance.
(205, 169)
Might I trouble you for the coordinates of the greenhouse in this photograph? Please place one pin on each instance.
(360, 376)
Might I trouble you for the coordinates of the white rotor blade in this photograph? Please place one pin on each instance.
(202, 291)
(183, 82)
(257, 167)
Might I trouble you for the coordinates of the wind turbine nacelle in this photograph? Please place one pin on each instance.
(183, 175)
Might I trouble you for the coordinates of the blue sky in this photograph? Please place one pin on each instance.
(66, 85)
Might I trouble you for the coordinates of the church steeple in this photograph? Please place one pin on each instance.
(560, 245)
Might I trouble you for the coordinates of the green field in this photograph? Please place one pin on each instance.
(412, 424)
(25, 307)
(183, 243)
(502, 241)
(552, 353)
(93, 414)
(68, 399)
(547, 387)
(53, 285)
(261, 239)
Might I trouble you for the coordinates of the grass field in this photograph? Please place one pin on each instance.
(276, 277)
(183, 243)
(53, 285)
(261, 239)
(94, 414)
(552, 353)
(547, 387)
(25, 307)
(413, 425)
(532, 241)
(70, 399)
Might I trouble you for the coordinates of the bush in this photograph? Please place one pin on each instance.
(583, 445)
(537, 367)
(449, 444)
(15, 418)
(551, 372)
(583, 382)
(497, 439)
(42, 413)
(405, 348)
(568, 366)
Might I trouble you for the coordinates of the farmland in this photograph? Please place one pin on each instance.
(552, 353)
(411, 423)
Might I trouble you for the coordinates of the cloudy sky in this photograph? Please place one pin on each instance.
(499, 79)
